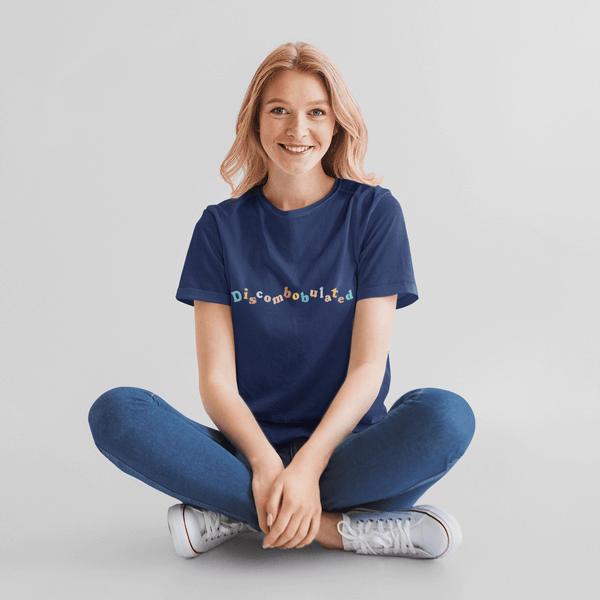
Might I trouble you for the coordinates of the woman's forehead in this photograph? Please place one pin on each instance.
(289, 86)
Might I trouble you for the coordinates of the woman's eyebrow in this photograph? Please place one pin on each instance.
(275, 100)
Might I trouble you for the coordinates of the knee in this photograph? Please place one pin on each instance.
(112, 411)
(457, 420)
(449, 417)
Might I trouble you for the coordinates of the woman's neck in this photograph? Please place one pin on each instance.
(293, 192)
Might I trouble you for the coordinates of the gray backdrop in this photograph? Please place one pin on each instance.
(483, 118)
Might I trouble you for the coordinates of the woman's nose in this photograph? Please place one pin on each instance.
(298, 127)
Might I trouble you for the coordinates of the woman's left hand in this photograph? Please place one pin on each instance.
(295, 506)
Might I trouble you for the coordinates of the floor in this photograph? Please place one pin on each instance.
(91, 543)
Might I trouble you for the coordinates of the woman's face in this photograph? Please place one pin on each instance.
(295, 112)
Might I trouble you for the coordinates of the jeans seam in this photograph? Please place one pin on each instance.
(422, 482)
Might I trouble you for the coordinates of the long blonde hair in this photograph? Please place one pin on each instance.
(346, 154)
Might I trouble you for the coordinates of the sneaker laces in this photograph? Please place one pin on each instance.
(218, 525)
(392, 535)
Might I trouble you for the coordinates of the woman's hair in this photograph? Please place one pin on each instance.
(346, 154)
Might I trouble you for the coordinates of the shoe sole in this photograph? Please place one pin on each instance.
(180, 531)
(447, 521)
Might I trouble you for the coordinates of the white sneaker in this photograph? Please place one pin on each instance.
(418, 532)
(195, 531)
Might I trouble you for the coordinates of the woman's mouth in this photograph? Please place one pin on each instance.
(298, 150)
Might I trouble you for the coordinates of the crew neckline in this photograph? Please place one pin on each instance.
(298, 212)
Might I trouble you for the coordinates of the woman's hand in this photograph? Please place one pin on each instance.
(295, 506)
(263, 478)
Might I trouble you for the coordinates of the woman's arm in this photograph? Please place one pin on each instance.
(224, 405)
(218, 385)
(294, 505)
(371, 338)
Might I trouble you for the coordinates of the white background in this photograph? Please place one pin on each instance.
(483, 118)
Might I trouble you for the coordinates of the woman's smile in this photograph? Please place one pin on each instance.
(297, 150)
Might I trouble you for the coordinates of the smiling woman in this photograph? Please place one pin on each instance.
(295, 383)
(296, 134)
(297, 97)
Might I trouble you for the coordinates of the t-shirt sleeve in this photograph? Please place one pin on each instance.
(385, 264)
(204, 276)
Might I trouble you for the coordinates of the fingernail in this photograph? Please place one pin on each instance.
(266, 546)
(269, 520)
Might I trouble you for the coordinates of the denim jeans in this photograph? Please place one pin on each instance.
(387, 466)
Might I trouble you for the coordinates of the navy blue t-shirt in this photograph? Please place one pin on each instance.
(292, 279)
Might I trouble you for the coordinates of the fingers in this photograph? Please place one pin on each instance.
(262, 521)
(261, 514)
(272, 505)
(293, 531)
(292, 510)
(263, 518)
(315, 524)
(301, 534)
(283, 530)
(264, 513)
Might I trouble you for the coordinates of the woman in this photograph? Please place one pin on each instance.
(295, 281)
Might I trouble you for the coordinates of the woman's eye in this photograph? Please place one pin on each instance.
(318, 110)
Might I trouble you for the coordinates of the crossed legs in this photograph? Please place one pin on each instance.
(386, 467)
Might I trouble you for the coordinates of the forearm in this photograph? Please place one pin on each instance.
(350, 404)
(231, 415)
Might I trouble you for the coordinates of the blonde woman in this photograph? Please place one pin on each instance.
(295, 281)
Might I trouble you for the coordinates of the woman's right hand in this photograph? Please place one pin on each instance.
(263, 477)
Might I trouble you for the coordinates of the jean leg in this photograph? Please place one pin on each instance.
(389, 465)
(147, 438)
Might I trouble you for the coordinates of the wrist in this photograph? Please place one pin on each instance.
(310, 460)
(266, 462)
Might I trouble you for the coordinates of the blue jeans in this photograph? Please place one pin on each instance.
(387, 466)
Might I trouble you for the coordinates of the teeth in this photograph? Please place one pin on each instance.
(297, 149)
